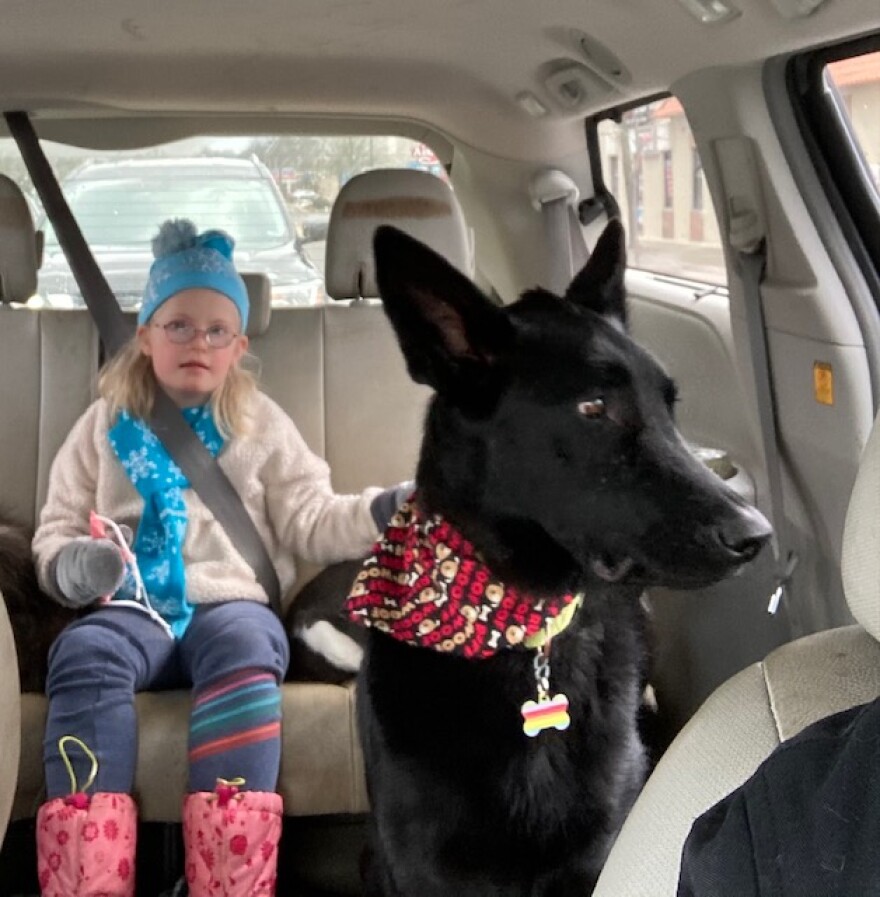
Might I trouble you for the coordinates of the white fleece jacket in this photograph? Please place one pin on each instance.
(284, 486)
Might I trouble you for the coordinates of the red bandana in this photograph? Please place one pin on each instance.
(426, 585)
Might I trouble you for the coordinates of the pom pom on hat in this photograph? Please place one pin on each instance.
(174, 235)
(186, 259)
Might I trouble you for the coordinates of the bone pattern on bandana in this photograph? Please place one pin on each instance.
(426, 585)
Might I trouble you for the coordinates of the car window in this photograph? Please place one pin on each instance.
(272, 194)
(123, 211)
(857, 81)
(836, 91)
(654, 171)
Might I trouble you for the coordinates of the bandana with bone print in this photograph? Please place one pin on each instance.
(426, 585)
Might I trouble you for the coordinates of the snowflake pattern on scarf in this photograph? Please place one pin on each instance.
(162, 528)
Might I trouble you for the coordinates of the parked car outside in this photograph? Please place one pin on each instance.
(312, 215)
(119, 206)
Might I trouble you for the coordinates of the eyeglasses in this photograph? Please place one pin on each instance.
(180, 332)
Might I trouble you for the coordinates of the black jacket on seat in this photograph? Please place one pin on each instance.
(807, 824)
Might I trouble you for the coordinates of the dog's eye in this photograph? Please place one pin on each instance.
(592, 408)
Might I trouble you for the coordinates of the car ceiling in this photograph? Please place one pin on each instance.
(457, 66)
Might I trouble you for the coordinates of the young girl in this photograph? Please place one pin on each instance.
(190, 611)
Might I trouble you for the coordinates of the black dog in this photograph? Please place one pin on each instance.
(550, 450)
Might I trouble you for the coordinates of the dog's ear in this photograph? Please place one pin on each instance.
(599, 286)
(454, 338)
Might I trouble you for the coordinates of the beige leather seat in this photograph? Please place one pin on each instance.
(756, 710)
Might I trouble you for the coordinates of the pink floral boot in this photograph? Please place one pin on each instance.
(86, 845)
(231, 841)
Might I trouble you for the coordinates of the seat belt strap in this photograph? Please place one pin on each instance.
(747, 238)
(98, 297)
(564, 241)
(211, 484)
(557, 243)
(752, 265)
(200, 467)
(555, 195)
(579, 254)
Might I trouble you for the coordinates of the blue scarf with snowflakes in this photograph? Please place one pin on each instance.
(158, 546)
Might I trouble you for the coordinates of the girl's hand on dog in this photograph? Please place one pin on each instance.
(87, 569)
(385, 504)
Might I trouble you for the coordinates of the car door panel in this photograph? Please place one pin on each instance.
(701, 638)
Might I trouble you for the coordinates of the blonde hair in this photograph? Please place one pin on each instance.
(127, 383)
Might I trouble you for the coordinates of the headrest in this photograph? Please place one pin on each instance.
(414, 201)
(861, 540)
(259, 290)
(21, 247)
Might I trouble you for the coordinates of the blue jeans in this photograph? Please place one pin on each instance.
(99, 662)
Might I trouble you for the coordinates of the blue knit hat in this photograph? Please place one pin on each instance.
(186, 259)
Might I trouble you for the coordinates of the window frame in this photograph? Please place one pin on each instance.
(835, 151)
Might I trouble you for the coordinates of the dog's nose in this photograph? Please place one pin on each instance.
(744, 535)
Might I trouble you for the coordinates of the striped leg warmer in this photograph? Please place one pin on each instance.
(235, 731)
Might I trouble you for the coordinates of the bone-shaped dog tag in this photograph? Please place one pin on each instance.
(549, 713)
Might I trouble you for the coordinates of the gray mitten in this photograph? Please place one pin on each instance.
(86, 569)
(386, 503)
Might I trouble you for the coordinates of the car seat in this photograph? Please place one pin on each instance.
(756, 710)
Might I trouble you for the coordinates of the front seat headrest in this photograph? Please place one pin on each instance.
(259, 290)
(417, 202)
(21, 247)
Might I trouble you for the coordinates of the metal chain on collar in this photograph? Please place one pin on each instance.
(541, 665)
